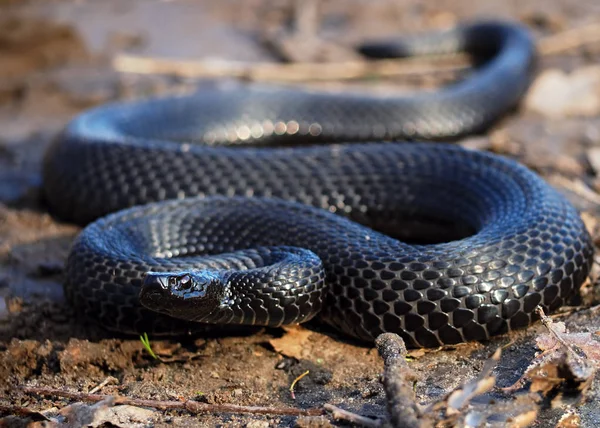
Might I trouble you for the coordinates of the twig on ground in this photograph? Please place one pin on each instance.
(457, 400)
(296, 72)
(398, 381)
(193, 407)
(344, 415)
(263, 71)
(105, 382)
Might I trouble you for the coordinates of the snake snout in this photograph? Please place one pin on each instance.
(155, 287)
(185, 295)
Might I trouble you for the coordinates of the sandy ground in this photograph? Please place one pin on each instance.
(55, 61)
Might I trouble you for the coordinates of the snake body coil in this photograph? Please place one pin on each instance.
(249, 233)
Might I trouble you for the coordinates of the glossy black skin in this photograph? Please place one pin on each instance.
(291, 261)
(191, 296)
(233, 288)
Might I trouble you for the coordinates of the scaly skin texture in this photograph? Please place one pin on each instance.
(528, 245)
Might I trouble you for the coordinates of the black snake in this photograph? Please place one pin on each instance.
(248, 229)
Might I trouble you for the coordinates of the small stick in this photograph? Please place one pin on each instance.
(344, 415)
(265, 71)
(193, 407)
(294, 72)
(398, 380)
(105, 382)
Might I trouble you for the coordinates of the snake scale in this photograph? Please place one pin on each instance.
(268, 206)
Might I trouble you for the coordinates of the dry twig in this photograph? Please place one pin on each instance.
(398, 381)
(344, 415)
(551, 45)
(191, 406)
(105, 382)
(296, 72)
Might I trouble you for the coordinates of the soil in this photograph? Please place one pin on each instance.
(55, 61)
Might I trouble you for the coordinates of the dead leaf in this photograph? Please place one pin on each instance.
(569, 420)
(565, 357)
(292, 343)
(103, 413)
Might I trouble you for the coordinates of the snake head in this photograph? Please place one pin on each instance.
(191, 296)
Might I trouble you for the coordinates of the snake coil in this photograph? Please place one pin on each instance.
(257, 214)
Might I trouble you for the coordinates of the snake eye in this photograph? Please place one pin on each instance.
(185, 281)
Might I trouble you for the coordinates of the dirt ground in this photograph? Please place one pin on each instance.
(55, 61)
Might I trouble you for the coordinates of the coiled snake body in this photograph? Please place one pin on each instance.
(252, 233)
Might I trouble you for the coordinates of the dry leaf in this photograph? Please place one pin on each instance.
(565, 357)
(569, 420)
(104, 414)
(291, 344)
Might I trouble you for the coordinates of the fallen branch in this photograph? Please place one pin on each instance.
(293, 72)
(296, 72)
(398, 381)
(191, 406)
(344, 415)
